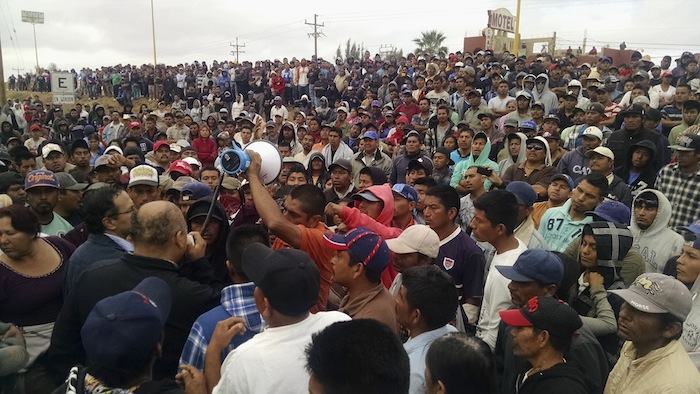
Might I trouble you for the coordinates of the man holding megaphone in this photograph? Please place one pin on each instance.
(301, 226)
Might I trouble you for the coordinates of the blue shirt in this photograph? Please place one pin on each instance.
(416, 348)
(236, 300)
(558, 229)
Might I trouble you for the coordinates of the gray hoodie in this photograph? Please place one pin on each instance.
(505, 160)
(658, 243)
(546, 96)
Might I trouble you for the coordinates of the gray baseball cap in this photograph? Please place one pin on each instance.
(658, 293)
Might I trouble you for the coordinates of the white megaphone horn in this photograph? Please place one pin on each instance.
(236, 160)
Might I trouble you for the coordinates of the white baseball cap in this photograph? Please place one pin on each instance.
(603, 151)
(593, 131)
(417, 238)
(192, 161)
(143, 175)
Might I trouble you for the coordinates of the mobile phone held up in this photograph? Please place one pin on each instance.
(485, 171)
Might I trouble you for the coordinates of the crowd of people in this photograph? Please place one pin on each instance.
(475, 223)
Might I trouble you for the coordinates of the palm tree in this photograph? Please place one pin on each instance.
(431, 42)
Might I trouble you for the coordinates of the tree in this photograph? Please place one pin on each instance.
(430, 42)
(353, 50)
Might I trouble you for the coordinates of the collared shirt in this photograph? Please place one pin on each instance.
(124, 244)
(350, 189)
(683, 192)
(376, 304)
(417, 347)
(236, 300)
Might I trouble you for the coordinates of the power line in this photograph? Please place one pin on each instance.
(238, 50)
(315, 34)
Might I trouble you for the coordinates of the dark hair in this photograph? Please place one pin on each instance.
(427, 181)
(500, 207)
(298, 167)
(684, 86)
(130, 139)
(283, 143)
(114, 377)
(691, 104)
(312, 199)
(98, 204)
(560, 344)
(598, 181)
(358, 356)
(432, 291)
(239, 239)
(22, 155)
(448, 196)
(460, 361)
(22, 219)
(373, 277)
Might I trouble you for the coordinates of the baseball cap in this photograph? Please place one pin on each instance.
(687, 143)
(405, 191)
(444, 151)
(565, 178)
(544, 313)
(658, 293)
(288, 277)
(134, 125)
(192, 161)
(181, 166)
(48, 148)
(523, 191)
(364, 245)
(376, 103)
(554, 135)
(342, 163)
(612, 211)
(113, 148)
(642, 74)
(370, 134)
(143, 175)
(201, 208)
(175, 147)
(605, 59)
(693, 228)
(124, 329)
(67, 182)
(365, 195)
(552, 117)
(633, 110)
(535, 265)
(8, 179)
(102, 161)
(421, 163)
(486, 115)
(231, 183)
(511, 122)
(169, 184)
(593, 131)
(34, 127)
(195, 190)
(537, 104)
(525, 94)
(38, 178)
(603, 151)
(528, 124)
(418, 238)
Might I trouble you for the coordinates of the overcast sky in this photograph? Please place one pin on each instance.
(91, 33)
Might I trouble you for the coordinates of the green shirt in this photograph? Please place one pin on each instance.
(58, 226)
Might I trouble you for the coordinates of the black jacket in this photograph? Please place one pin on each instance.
(561, 378)
(619, 191)
(647, 176)
(621, 140)
(191, 293)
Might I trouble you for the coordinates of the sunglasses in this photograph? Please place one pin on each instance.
(535, 147)
(647, 204)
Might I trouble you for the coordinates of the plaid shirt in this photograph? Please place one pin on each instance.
(236, 300)
(682, 191)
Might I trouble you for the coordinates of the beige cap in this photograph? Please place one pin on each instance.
(594, 132)
(417, 238)
(603, 151)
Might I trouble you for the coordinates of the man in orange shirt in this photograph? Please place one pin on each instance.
(301, 226)
(558, 192)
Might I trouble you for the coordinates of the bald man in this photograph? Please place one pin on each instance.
(161, 249)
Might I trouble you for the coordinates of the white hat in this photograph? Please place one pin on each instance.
(593, 131)
(603, 151)
(459, 64)
(48, 148)
(114, 148)
(417, 238)
(193, 162)
(175, 147)
(143, 175)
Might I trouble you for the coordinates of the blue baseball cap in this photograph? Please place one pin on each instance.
(565, 178)
(405, 191)
(195, 191)
(364, 245)
(612, 211)
(524, 192)
(38, 178)
(535, 265)
(370, 134)
(528, 124)
(124, 329)
(692, 239)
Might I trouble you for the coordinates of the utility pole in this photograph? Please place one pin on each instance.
(153, 35)
(34, 18)
(585, 38)
(238, 49)
(315, 34)
(516, 38)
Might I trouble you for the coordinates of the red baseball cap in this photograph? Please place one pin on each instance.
(134, 125)
(182, 167)
(159, 144)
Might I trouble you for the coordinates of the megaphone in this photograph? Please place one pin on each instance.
(236, 160)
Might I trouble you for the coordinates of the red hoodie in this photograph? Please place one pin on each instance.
(206, 150)
(352, 217)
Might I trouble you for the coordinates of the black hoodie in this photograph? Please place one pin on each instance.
(561, 378)
(647, 176)
(217, 255)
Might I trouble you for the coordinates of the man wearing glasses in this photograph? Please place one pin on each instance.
(536, 170)
(680, 181)
(651, 212)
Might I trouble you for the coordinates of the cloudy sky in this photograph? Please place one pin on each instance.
(91, 33)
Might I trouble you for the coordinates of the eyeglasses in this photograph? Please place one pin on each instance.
(535, 147)
(646, 204)
(130, 210)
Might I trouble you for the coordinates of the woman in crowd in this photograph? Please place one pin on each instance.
(457, 363)
(31, 271)
(317, 170)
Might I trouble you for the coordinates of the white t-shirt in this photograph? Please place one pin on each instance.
(500, 104)
(496, 296)
(667, 95)
(273, 361)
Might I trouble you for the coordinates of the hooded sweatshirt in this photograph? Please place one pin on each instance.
(691, 327)
(505, 160)
(583, 102)
(638, 182)
(546, 96)
(658, 243)
(217, 255)
(561, 378)
(481, 161)
(324, 176)
(574, 164)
